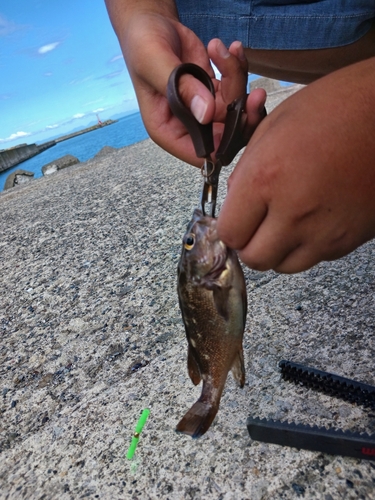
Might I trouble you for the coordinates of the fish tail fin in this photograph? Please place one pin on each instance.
(238, 368)
(198, 419)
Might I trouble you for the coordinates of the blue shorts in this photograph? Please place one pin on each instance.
(279, 24)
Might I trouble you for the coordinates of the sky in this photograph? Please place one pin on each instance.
(60, 65)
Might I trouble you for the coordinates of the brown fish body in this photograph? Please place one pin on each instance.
(212, 295)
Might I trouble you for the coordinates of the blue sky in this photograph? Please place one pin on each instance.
(60, 64)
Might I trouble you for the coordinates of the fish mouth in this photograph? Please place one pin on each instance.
(218, 267)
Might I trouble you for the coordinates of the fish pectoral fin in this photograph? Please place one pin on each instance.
(193, 368)
(238, 368)
(198, 419)
(221, 300)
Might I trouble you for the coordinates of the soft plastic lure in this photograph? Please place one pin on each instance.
(138, 429)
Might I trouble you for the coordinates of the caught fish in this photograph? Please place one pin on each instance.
(212, 296)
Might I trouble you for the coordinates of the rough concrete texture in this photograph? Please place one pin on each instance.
(268, 84)
(91, 335)
(104, 151)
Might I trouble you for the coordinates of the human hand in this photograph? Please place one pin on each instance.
(153, 44)
(150, 85)
(303, 191)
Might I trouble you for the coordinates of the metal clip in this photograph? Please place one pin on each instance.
(210, 172)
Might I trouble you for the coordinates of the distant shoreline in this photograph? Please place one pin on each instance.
(84, 131)
(12, 157)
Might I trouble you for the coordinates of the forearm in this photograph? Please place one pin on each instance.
(121, 11)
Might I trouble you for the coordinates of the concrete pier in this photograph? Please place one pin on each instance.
(13, 156)
(91, 334)
(85, 130)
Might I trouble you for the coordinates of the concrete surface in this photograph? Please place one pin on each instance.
(268, 84)
(91, 335)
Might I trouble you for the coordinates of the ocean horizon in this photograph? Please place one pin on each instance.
(124, 132)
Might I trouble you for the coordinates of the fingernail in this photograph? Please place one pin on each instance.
(222, 50)
(198, 107)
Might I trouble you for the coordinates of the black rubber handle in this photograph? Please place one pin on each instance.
(233, 139)
(332, 441)
(329, 383)
(202, 135)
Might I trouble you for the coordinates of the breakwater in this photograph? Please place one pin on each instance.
(13, 156)
(85, 130)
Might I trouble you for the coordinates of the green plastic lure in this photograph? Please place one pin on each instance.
(138, 429)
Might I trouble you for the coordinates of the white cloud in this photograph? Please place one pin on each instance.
(82, 80)
(98, 110)
(7, 27)
(78, 115)
(52, 126)
(47, 48)
(108, 76)
(116, 58)
(31, 124)
(17, 135)
(93, 102)
(48, 74)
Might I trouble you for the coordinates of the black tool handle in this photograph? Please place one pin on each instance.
(233, 138)
(334, 442)
(202, 135)
(329, 383)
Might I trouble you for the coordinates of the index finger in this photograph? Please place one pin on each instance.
(244, 209)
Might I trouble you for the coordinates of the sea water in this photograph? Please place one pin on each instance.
(126, 131)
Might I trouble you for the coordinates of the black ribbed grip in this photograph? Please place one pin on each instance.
(332, 441)
(329, 383)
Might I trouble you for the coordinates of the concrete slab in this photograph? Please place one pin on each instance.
(91, 335)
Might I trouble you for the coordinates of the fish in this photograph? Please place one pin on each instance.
(212, 296)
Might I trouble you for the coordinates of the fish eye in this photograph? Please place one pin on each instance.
(189, 241)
